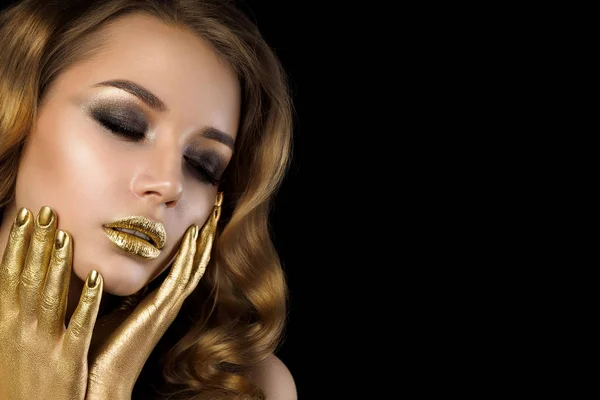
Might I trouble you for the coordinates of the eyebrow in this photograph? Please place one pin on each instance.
(152, 101)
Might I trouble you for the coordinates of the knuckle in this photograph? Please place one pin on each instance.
(28, 281)
(60, 256)
(15, 237)
(77, 329)
(40, 235)
(48, 303)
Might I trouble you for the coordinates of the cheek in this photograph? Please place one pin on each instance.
(68, 165)
(201, 201)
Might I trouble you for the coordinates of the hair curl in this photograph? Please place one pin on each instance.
(236, 316)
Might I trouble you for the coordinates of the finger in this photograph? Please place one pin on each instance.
(150, 319)
(204, 249)
(36, 262)
(14, 257)
(180, 272)
(147, 323)
(53, 304)
(81, 325)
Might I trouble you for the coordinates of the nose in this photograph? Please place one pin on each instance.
(159, 179)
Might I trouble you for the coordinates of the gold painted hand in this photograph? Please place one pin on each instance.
(117, 362)
(39, 357)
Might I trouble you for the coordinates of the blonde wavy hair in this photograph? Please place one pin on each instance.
(236, 316)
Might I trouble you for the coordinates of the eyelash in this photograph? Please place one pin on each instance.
(199, 171)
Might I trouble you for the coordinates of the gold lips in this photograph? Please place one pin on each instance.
(134, 244)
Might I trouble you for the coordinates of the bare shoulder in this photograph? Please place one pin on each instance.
(275, 379)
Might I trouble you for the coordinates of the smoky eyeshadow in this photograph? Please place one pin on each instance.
(119, 115)
(210, 160)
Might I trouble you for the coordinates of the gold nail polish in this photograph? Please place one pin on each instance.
(60, 239)
(217, 213)
(93, 279)
(219, 199)
(22, 217)
(45, 216)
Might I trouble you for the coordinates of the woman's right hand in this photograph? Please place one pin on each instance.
(39, 357)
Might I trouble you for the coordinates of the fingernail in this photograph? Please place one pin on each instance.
(217, 213)
(93, 279)
(60, 239)
(22, 217)
(219, 199)
(45, 216)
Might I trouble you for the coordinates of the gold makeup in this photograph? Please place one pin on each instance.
(137, 235)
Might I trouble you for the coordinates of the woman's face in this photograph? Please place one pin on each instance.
(98, 153)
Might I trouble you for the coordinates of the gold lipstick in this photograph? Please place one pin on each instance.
(137, 235)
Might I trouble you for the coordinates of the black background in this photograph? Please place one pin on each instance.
(301, 34)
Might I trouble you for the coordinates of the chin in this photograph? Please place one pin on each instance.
(120, 289)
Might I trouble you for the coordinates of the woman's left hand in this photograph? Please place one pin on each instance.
(116, 364)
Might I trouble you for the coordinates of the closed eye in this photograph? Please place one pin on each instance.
(122, 121)
(204, 170)
(205, 165)
(124, 131)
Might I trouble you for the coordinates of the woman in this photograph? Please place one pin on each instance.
(141, 143)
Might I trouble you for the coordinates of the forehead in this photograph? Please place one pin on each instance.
(172, 62)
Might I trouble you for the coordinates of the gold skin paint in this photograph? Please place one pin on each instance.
(35, 269)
